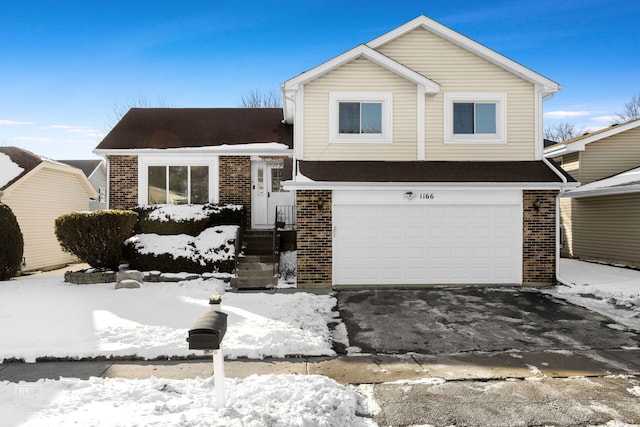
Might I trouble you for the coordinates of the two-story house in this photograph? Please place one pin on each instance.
(417, 159)
(601, 219)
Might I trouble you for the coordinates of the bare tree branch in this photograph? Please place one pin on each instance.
(631, 111)
(256, 98)
(563, 131)
(120, 110)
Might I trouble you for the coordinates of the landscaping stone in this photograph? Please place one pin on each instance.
(128, 284)
(130, 275)
(89, 277)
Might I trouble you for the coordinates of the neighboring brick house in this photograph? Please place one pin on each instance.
(417, 160)
(601, 218)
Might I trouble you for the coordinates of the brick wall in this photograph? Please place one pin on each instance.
(235, 182)
(539, 237)
(123, 182)
(314, 238)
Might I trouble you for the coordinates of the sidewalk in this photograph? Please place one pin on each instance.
(367, 369)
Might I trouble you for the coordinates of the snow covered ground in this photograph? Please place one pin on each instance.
(611, 291)
(41, 315)
(45, 317)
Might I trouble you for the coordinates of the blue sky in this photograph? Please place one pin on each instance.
(65, 66)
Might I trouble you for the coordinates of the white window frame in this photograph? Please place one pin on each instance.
(144, 161)
(500, 137)
(384, 98)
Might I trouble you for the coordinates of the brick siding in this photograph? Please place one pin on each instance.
(235, 182)
(539, 238)
(314, 238)
(123, 182)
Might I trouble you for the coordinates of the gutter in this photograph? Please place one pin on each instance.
(330, 185)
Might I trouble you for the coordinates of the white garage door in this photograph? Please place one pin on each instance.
(427, 244)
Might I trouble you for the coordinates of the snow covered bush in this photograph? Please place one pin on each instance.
(186, 219)
(213, 250)
(96, 237)
(12, 246)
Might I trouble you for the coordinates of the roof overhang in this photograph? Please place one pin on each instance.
(257, 149)
(59, 167)
(291, 86)
(302, 184)
(548, 86)
(579, 144)
(623, 183)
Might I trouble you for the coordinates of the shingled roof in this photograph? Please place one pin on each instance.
(86, 166)
(431, 171)
(161, 128)
(23, 158)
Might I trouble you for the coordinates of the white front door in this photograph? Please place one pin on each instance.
(267, 192)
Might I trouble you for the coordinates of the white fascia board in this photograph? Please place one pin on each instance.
(325, 185)
(187, 151)
(579, 145)
(608, 191)
(293, 87)
(556, 151)
(466, 43)
(364, 51)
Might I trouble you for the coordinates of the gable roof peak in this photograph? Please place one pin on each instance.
(548, 86)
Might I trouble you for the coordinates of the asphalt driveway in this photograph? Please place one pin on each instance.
(473, 319)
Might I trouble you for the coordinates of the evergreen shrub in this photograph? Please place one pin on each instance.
(213, 250)
(11, 243)
(191, 219)
(96, 237)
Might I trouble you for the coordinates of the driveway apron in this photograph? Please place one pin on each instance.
(465, 319)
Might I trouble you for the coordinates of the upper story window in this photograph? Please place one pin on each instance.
(360, 117)
(475, 118)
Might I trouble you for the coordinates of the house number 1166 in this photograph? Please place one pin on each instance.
(427, 196)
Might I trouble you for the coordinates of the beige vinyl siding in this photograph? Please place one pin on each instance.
(360, 75)
(37, 201)
(459, 71)
(567, 227)
(607, 228)
(610, 156)
(571, 164)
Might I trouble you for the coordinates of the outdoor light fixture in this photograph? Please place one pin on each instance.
(536, 203)
(320, 203)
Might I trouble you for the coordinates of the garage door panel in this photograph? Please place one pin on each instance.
(427, 244)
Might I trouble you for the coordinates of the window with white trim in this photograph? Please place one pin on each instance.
(177, 179)
(475, 118)
(178, 184)
(360, 117)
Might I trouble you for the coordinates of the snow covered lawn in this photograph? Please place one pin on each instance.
(611, 291)
(42, 316)
(266, 400)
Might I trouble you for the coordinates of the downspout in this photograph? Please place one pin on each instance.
(564, 181)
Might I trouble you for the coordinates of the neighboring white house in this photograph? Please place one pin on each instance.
(96, 171)
(38, 191)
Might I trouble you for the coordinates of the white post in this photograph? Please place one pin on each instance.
(218, 377)
(215, 302)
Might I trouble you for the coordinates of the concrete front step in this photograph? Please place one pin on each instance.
(250, 282)
(255, 265)
(252, 259)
